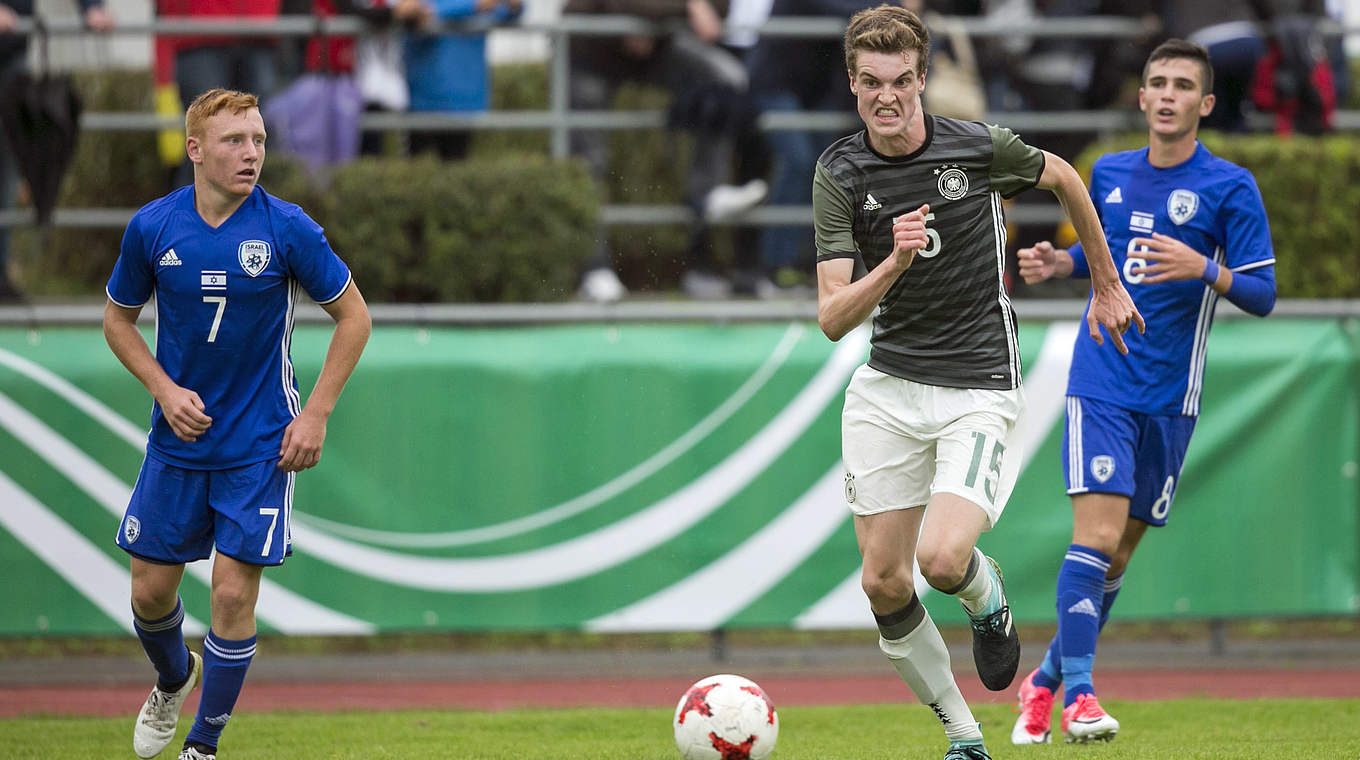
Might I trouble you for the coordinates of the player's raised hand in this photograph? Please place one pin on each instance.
(1037, 263)
(183, 410)
(1170, 259)
(302, 441)
(909, 236)
(1112, 308)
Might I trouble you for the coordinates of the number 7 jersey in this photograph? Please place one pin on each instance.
(225, 301)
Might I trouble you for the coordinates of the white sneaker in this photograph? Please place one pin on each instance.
(189, 753)
(156, 722)
(601, 285)
(705, 286)
(727, 201)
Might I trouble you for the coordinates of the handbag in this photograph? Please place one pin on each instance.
(379, 68)
(953, 86)
(316, 118)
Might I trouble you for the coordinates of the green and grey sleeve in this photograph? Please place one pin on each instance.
(1016, 167)
(832, 218)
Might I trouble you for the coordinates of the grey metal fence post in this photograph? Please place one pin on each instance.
(558, 93)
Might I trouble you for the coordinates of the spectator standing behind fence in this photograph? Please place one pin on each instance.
(447, 70)
(684, 61)
(14, 59)
(1294, 79)
(380, 60)
(202, 63)
(751, 159)
(1231, 31)
(796, 74)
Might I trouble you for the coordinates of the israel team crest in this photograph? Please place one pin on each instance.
(132, 529)
(1102, 467)
(254, 256)
(1182, 205)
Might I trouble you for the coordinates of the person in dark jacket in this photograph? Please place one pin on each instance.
(705, 79)
(13, 59)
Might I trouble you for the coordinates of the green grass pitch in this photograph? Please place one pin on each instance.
(1194, 729)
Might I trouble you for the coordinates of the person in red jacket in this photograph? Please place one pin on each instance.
(206, 62)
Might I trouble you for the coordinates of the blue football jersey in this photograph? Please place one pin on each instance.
(224, 316)
(1214, 207)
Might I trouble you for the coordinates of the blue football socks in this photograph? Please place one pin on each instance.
(1081, 594)
(1112, 586)
(1049, 674)
(163, 641)
(225, 663)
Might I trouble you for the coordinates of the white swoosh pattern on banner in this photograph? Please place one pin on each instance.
(846, 607)
(282, 609)
(1045, 393)
(81, 400)
(706, 599)
(619, 541)
(72, 556)
(591, 498)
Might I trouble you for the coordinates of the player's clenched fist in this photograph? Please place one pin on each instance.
(1037, 263)
(909, 236)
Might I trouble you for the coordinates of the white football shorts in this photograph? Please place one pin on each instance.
(904, 441)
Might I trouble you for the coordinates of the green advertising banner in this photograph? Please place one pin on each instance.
(644, 477)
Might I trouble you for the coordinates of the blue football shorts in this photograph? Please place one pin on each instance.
(176, 515)
(1113, 450)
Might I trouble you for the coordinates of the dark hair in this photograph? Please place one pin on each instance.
(886, 29)
(1174, 48)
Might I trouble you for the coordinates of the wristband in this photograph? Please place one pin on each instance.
(1210, 275)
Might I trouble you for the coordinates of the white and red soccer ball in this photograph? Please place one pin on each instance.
(725, 717)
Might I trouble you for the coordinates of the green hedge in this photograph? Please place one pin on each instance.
(515, 228)
(1311, 189)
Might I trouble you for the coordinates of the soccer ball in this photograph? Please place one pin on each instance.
(725, 717)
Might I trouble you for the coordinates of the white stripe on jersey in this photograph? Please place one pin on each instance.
(289, 388)
(1076, 478)
(1255, 264)
(1012, 342)
(1194, 385)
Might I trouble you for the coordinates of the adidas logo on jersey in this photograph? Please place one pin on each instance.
(1115, 196)
(170, 259)
(870, 204)
(1084, 607)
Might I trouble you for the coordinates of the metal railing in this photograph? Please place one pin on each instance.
(559, 120)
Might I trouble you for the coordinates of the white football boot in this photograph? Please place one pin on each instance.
(160, 713)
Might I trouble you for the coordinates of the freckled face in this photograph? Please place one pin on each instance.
(230, 152)
(887, 88)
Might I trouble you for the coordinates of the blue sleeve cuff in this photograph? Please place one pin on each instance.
(1079, 266)
(1253, 291)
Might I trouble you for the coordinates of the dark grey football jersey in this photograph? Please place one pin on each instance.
(947, 320)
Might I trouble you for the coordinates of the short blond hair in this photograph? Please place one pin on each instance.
(213, 102)
(886, 29)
